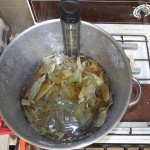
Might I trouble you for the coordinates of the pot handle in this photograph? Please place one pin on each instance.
(70, 21)
(70, 11)
(138, 95)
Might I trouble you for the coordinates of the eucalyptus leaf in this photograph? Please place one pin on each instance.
(82, 94)
(52, 68)
(47, 59)
(76, 76)
(50, 91)
(60, 135)
(36, 87)
(101, 118)
(60, 58)
(90, 90)
(30, 116)
(67, 72)
(25, 102)
(83, 65)
(67, 105)
(44, 89)
(83, 115)
(98, 80)
(69, 93)
(105, 91)
(54, 78)
(79, 63)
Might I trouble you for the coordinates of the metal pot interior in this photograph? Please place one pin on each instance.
(22, 56)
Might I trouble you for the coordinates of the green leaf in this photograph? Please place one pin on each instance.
(36, 87)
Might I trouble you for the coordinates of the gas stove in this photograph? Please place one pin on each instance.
(134, 127)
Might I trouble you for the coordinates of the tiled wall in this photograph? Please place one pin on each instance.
(16, 14)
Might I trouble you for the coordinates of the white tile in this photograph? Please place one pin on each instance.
(140, 53)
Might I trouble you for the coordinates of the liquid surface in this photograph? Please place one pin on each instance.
(68, 99)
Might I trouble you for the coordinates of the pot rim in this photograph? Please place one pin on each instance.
(89, 139)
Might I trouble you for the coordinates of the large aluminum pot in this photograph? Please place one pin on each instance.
(22, 56)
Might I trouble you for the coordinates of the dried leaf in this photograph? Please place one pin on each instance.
(82, 95)
(101, 117)
(81, 66)
(83, 115)
(52, 68)
(68, 93)
(25, 102)
(43, 131)
(94, 68)
(60, 135)
(90, 90)
(79, 63)
(67, 105)
(53, 131)
(98, 80)
(54, 78)
(43, 90)
(60, 58)
(76, 76)
(49, 92)
(67, 72)
(105, 92)
(30, 116)
(36, 87)
(46, 59)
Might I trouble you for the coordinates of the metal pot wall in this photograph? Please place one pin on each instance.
(22, 56)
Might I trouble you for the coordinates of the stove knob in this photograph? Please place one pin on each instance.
(141, 11)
